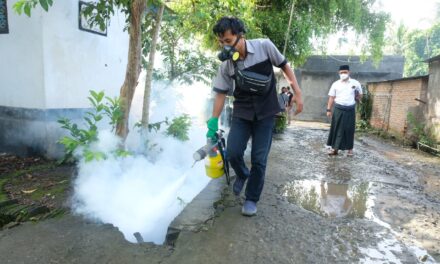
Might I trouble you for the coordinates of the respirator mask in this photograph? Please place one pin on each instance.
(229, 52)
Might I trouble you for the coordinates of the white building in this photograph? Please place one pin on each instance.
(48, 64)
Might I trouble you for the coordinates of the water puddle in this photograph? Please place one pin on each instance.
(329, 199)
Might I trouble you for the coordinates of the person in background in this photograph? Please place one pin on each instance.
(343, 95)
(289, 108)
(283, 99)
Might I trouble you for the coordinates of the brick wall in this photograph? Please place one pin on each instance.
(392, 100)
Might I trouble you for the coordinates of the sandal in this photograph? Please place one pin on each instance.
(333, 152)
(350, 154)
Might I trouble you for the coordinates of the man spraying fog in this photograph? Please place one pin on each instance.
(247, 69)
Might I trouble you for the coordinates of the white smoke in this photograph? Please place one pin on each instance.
(145, 193)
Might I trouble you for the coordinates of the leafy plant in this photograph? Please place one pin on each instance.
(364, 109)
(421, 133)
(27, 5)
(280, 123)
(179, 127)
(84, 137)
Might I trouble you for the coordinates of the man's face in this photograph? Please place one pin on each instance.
(228, 39)
(344, 74)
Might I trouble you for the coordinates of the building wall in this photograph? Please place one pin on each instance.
(393, 100)
(433, 95)
(319, 72)
(77, 61)
(21, 61)
(48, 65)
(47, 62)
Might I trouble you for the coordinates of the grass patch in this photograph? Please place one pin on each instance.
(3, 196)
(30, 170)
(57, 189)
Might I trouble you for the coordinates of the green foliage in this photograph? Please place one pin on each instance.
(280, 123)
(421, 45)
(99, 12)
(179, 127)
(364, 110)
(320, 19)
(184, 60)
(420, 132)
(153, 126)
(267, 18)
(84, 137)
(27, 5)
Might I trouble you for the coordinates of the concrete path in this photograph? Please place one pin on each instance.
(380, 206)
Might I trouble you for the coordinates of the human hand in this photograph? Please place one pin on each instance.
(329, 114)
(212, 125)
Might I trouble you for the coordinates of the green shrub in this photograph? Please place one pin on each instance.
(420, 132)
(179, 127)
(84, 137)
(280, 123)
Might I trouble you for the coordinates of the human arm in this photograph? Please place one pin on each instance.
(331, 100)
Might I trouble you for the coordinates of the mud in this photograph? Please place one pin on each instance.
(380, 206)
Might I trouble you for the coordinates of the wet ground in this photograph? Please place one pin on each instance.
(380, 206)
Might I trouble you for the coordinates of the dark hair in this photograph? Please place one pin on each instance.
(229, 23)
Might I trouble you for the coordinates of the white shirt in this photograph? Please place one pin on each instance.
(343, 91)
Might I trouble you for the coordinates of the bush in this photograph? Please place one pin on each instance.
(179, 127)
(420, 132)
(280, 123)
(84, 137)
(364, 109)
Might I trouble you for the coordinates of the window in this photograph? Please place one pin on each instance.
(3, 18)
(85, 25)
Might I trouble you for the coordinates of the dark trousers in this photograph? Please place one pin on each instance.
(239, 134)
(341, 136)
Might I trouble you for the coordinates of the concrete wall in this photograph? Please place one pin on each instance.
(433, 95)
(21, 61)
(319, 72)
(393, 100)
(48, 65)
(47, 62)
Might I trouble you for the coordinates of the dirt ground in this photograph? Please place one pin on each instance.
(380, 206)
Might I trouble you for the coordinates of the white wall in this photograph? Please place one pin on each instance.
(21, 63)
(50, 63)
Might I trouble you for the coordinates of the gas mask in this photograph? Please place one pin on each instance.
(229, 52)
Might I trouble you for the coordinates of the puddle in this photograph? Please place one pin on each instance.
(328, 199)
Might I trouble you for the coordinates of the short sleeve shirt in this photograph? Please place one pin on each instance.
(344, 91)
(261, 56)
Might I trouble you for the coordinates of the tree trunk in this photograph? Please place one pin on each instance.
(150, 67)
(133, 65)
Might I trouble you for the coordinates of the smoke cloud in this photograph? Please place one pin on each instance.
(144, 193)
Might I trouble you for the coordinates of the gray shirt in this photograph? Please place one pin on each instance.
(260, 57)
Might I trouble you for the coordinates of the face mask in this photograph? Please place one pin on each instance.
(343, 76)
(229, 52)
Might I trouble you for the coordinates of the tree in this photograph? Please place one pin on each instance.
(320, 19)
(267, 18)
(421, 45)
(150, 66)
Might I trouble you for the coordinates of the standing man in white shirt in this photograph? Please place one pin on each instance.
(343, 95)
